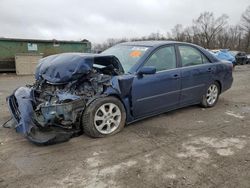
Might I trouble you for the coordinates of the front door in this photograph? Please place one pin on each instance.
(158, 92)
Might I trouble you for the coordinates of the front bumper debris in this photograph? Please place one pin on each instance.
(45, 128)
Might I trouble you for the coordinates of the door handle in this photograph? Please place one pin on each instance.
(209, 69)
(176, 76)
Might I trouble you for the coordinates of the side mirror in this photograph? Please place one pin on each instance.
(147, 70)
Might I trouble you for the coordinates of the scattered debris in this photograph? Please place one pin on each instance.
(170, 176)
(230, 113)
(225, 152)
(200, 121)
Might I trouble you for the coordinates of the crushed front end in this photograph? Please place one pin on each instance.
(50, 110)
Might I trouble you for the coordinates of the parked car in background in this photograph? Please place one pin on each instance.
(224, 54)
(241, 57)
(248, 58)
(99, 93)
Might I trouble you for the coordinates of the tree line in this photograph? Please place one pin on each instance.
(207, 31)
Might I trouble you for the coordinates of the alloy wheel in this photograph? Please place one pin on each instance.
(107, 118)
(212, 94)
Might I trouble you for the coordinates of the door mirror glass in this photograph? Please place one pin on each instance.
(147, 70)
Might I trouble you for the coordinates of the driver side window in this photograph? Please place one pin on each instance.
(163, 59)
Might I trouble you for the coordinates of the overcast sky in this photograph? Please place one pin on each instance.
(98, 20)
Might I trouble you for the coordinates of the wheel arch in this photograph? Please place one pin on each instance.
(118, 97)
(220, 85)
(126, 104)
(88, 116)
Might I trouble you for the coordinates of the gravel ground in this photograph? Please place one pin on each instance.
(190, 147)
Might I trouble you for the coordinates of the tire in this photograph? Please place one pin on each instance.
(243, 62)
(212, 95)
(104, 117)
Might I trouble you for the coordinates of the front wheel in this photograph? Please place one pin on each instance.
(212, 95)
(103, 117)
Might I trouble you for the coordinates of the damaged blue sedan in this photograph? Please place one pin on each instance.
(99, 93)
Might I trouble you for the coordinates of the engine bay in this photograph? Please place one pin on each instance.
(61, 104)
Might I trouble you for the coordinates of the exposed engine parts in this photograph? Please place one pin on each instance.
(62, 104)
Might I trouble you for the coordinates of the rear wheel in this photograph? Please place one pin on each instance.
(103, 117)
(212, 95)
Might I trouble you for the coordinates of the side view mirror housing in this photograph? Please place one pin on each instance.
(147, 70)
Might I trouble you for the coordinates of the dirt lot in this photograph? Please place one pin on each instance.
(190, 147)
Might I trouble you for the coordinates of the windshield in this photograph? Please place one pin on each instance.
(127, 55)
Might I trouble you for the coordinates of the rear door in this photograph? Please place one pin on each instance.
(160, 91)
(196, 74)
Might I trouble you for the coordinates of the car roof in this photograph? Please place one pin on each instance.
(157, 43)
(152, 43)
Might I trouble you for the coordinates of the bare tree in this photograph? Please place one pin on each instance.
(245, 25)
(97, 48)
(155, 36)
(207, 31)
(188, 34)
(235, 37)
(177, 33)
(206, 27)
(245, 19)
(222, 40)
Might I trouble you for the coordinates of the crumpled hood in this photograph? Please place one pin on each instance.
(66, 67)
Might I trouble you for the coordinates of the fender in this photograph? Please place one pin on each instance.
(121, 87)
